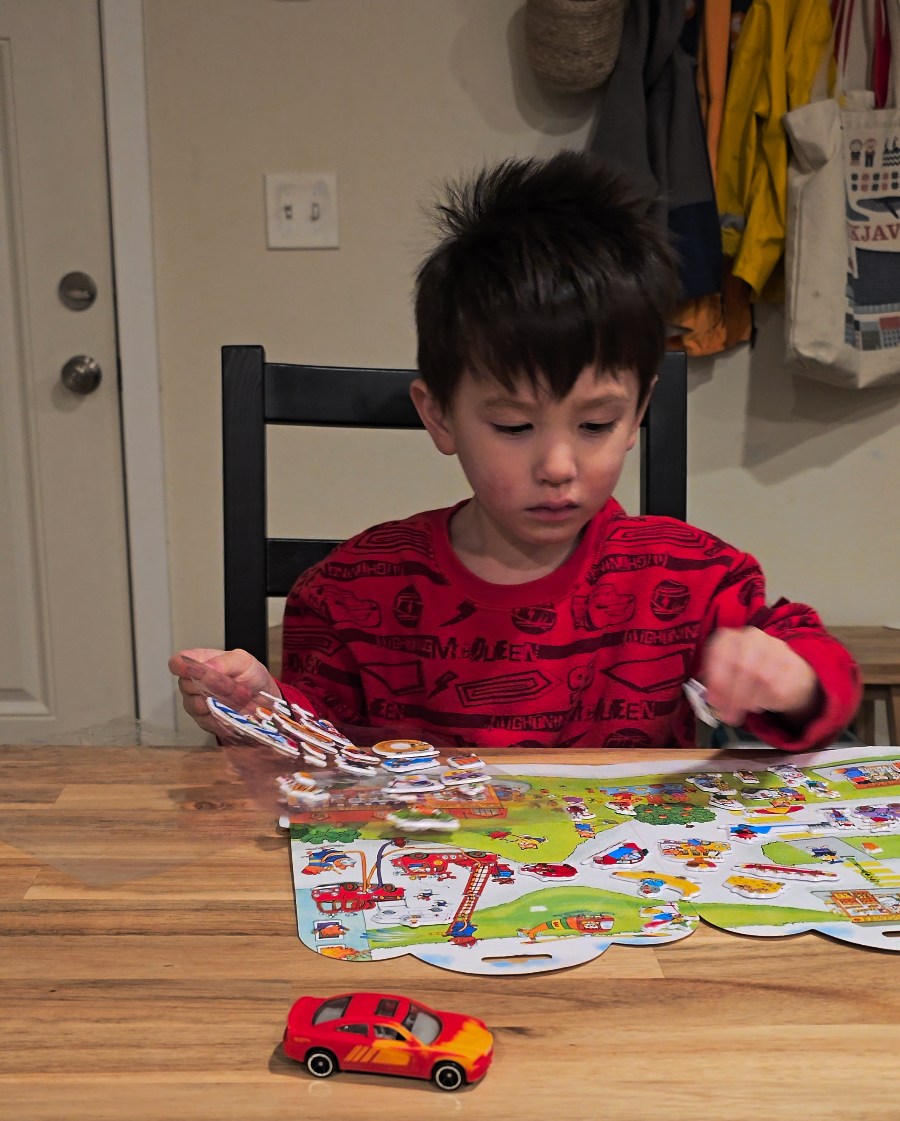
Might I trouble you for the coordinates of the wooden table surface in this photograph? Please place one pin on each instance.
(149, 957)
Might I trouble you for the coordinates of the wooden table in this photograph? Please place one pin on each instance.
(877, 651)
(149, 956)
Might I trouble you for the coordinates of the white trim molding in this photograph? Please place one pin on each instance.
(122, 25)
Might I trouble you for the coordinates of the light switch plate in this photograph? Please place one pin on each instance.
(301, 210)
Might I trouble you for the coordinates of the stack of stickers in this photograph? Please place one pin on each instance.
(288, 729)
(404, 770)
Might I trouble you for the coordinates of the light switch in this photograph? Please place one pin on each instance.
(301, 210)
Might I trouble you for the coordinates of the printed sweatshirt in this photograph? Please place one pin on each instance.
(392, 635)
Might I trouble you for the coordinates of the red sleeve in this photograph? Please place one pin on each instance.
(318, 672)
(740, 602)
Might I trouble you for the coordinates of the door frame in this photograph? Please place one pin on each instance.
(125, 91)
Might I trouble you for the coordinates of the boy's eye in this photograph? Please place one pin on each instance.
(512, 429)
(599, 426)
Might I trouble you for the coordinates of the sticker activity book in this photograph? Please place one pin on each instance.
(506, 869)
(548, 869)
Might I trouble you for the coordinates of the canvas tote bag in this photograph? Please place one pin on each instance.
(842, 255)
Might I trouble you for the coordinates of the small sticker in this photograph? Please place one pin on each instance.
(752, 887)
(696, 695)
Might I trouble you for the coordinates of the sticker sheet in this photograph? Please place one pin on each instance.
(549, 867)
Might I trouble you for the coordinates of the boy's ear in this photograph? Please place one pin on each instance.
(433, 417)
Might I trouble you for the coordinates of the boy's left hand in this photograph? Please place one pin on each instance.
(746, 670)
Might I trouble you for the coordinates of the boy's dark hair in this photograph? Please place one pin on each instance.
(544, 267)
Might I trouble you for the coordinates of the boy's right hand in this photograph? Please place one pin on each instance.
(242, 668)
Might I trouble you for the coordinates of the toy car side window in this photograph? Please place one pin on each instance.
(331, 1010)
(386, 1007)
(357, 1029)
(382, 1031)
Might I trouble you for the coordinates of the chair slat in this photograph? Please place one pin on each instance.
(335, 396)
(287, 557)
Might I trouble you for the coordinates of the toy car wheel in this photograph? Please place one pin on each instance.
(448, 1076)
(321, 1063)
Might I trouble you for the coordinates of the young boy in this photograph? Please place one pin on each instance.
(537, 612)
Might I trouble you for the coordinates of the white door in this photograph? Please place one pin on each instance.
(65, 620)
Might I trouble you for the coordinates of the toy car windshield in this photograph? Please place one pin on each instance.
(425, 1027)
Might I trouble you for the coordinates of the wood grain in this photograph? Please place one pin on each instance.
(149, 956)
(876, 649)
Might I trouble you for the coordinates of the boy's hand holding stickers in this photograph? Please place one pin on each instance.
(747, 671)
(232, 676)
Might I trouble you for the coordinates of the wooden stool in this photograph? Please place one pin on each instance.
(877, 651)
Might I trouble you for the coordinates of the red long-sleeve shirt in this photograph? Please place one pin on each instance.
(392, 632)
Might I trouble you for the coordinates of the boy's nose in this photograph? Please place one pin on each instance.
(556, 465)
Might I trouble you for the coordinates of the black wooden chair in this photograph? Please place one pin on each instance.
(256, 393)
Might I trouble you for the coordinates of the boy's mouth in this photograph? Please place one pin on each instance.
(553, 510)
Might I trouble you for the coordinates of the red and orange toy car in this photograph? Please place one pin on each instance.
(386, 1034)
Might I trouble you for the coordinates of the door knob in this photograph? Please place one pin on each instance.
(81, 375)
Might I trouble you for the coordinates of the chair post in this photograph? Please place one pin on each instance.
(664, 448)
(244, 498)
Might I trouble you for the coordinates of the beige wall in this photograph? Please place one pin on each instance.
(393, 96)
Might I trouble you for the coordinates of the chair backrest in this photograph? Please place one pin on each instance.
(256, 393)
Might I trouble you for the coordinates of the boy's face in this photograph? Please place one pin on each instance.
(539, 468)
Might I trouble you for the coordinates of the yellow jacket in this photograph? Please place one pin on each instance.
(777, 56)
